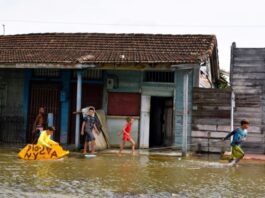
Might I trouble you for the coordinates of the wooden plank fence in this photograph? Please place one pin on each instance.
(211, 119)
(248, 83)
(211, 114)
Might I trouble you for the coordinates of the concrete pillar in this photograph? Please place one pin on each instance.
(78, 108)
(145, 121)
(65, 100)
(185, 113)
(183, 108)
(27, 78)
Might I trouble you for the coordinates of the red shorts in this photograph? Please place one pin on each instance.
(126, 137)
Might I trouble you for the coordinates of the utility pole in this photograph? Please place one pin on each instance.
(4, 28)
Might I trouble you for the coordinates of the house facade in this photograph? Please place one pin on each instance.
(149, 77)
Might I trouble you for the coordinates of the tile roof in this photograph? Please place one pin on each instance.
(72, 48)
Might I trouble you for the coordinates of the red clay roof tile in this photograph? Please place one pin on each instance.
(71, 48)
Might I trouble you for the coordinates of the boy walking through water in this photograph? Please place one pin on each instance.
(239, 135)
(88, 125)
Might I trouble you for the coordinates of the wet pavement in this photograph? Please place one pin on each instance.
(108, 175)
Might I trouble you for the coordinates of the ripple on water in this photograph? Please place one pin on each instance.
(126, 176)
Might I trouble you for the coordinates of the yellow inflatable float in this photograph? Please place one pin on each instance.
(45, 149)
(39, 152)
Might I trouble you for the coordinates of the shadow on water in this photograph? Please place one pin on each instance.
(108, 175)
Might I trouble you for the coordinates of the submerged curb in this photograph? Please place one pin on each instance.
(259, 157)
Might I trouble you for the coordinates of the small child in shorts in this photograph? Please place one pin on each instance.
(126, 135)
(239, 135)
(87, 130)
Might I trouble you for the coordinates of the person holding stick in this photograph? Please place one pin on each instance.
(89, 124)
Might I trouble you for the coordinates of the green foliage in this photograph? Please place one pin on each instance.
(222, 83)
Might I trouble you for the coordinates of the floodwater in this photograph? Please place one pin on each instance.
(108, 175)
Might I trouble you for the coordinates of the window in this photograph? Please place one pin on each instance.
(124, 104)
(159, 76)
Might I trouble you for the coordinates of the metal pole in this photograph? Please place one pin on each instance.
(232, 112)
(185, 114)
(78, 108)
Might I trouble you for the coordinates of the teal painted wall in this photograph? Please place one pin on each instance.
(179, 77)
(65, 105)
(129, 81)
(132, 81)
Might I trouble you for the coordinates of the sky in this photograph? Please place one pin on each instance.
(240, 21)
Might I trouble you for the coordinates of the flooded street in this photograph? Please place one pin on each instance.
(128, 176)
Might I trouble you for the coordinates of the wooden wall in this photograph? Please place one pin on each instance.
(248, 83)
(210, 119)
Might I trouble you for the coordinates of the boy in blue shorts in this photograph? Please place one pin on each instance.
(239, 135)
(88, 125)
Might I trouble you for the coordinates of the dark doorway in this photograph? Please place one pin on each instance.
(43, 94)
(161, 122)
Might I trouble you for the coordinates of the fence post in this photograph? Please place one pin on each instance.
(232, 109)
(232, 112)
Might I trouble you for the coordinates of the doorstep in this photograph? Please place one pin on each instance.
(249, 156)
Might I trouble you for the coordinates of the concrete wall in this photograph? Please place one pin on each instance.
(115, 125)
(182, 124)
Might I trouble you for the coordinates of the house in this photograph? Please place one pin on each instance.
(147, 76)
(247, 75)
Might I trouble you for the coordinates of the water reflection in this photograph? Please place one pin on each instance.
(128, 176)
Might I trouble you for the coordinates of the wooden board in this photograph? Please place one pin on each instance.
(210, 118)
